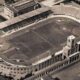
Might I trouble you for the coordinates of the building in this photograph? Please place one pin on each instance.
(19, 8)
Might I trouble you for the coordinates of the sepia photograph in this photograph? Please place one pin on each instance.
(39, 39)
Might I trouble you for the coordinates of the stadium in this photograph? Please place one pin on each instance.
(37, 43)
(30, 50)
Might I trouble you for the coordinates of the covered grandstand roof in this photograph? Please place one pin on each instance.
(23, 17)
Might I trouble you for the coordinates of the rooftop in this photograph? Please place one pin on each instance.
(22, 7)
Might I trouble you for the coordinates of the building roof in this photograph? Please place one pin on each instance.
(45, 39)
(21, 6)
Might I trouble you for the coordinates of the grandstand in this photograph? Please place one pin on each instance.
(24, 20)
(35, 50)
